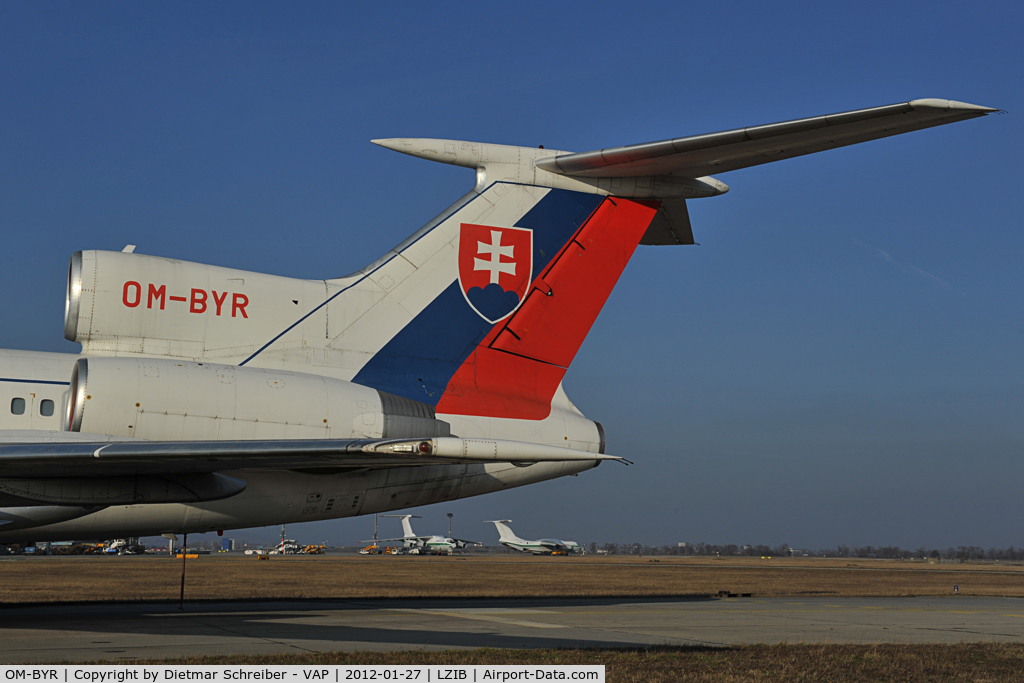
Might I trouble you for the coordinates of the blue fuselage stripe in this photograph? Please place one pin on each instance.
(33, 381)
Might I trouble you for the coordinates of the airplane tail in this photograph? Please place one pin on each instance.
(481, 311)
(407, 531)
(504, 532)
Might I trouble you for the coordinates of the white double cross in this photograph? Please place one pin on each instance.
(494, 264)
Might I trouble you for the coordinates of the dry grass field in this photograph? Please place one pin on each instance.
(234, 577)
(742, 664)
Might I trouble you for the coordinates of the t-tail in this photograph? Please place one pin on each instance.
(505, 533)
(508, 283)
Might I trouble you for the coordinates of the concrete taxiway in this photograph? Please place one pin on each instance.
(146, 631)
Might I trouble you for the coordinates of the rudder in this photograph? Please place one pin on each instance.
(516, 369)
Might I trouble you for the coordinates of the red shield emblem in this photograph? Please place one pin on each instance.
(495, 268)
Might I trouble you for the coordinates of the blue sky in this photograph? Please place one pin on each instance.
(840, 361)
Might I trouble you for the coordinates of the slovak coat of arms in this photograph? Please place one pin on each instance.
(495, 268)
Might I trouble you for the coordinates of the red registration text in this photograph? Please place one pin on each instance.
(198, 300)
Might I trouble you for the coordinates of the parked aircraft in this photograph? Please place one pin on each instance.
(209, 398)
(544, 546)
(287, 546)
(124, 546)
(424, 545)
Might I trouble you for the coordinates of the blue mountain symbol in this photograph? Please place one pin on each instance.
(492, 301)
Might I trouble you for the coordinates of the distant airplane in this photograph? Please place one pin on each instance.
(544, 546)
(287, 546)
(424, 545)
(208, 398)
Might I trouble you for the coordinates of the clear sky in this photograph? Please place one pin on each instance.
(840, 361)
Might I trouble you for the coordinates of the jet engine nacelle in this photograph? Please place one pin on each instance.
(123, 303)
(162, 399)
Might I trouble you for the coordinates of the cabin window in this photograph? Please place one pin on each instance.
(46, 408)
(18, 406)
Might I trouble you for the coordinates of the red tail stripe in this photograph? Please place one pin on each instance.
(514, 372)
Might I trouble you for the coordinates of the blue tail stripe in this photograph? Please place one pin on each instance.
(421, 359)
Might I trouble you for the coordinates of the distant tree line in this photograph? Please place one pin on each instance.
(892, 552)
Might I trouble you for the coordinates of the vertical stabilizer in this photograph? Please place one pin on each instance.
(481, 311)
(505, 533)
(487, 310)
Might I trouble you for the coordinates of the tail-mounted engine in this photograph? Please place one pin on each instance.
(162, 399)
(147, 305)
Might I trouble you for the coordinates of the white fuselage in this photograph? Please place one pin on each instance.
(28, 379)
(434, 545)
(545, 546)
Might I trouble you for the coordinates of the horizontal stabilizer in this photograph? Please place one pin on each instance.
(702, 155)
(123, 458)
